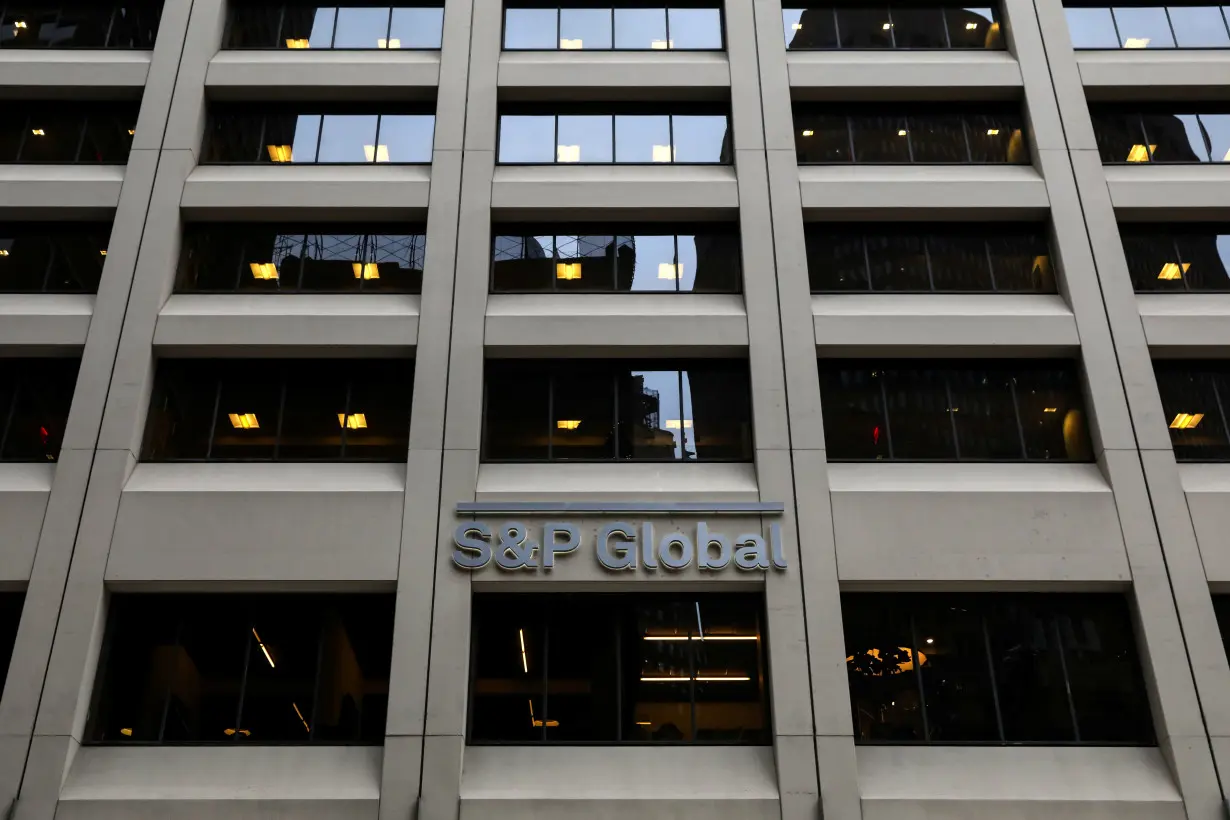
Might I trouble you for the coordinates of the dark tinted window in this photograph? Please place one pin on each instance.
(902, 135)
(652, 668)
(966, 411)
(1221, 606)
(994, 668)
(972, 258)
(1151, 26)
(52, 257)
(598, 28)
(301, 259)
(643, 134)
(35, 396)
(11, 604)
(623, 258)
(126, 24)
(1194, 399)
(612, 410)
(270, 410)
(319, 134)
(853, 26)
(357, 25)
(67, 132)
(1178, 258)
(280, 668)
(1172, 135)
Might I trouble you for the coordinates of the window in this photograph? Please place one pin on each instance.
(1155, 26)
(339, 26)
(968, 258)
(965, 411)
(648, 668)
(1194, 400)
(625, 29)
(853, 26)
(1162, 135)
(1221, 606)
(335, 134)
(622, 258)
(301, 259)
(60, 257)
(69, 132)
(127, 24)
(271, 410)
(994, 668)
(616, 410)
(251, 669)
(824, 134)
(11, 604)
(1178, 258)
(35, 396)
(638, 135)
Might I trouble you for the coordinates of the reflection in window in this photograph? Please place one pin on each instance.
(861, 27)
(1166, 136)
(70, 132)
(1178, 258)
(621, 258)
(1194, 400)
(607, 410)
(279, 410)
(994, 668)
(638, 135)
(333, 134)
(967, 411)
(824, 134)
(251, 669)
(304, 25)
(625, 29)
(62, 257)
(650, 668)
(971, 259)
(124, 24)
(1184, 26)
(35, 396)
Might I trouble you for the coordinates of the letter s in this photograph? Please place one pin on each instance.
(471, 552)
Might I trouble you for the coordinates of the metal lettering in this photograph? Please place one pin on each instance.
(775, 544)
(705, 540)
(648, 559)
(624, 557)
(516, 550)
(552, 546)
(472, 552)
(667, 556)
(751, 552)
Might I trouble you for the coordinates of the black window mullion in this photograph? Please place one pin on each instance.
(1221, 405)
(947, 33)
(849, 129)
(302, 255)
(320, 134)
(1144, 133)
(927, 259)
(866, 260)
(261, 143)
(277, 34)
(277, 436)
(550, 416)
(1114, 22)
(892, 30)
(888, 424)
(115, 10)
(670, 125)
(909, 132)
(546, 673)
(388, 35)
(667, 12)
(21, 144)
(615, 417)
(243, 681)
(1067, 681)
(999, 714)
(166, 700)
(239, 265)
(619, 679)
(683, 438)
(51, 263)
(375, 146)
(554, 263)
(555, 122)
(837, 35)
(333, 33)
(320, 654)
(952, 417)
(969, 150)
(213, 421)
(559, 26)
(1016, 408)
(692, 680)
(85, 121)
(8, 419)
(986, 247)
(678, 270)
(922, 694)
(346, 415)
(1170, 25)
(1178, 257)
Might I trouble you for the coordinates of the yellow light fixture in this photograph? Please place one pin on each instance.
(1050, 409)
(4, 252)
(353, 421)
(675, 424)
(661, 45)
(1136, 42)
(132, 132)
(886, 26)
(568, 153)
(393, 43)
(796, 26)
(365, 270)
(666, 270)
(301, 43)
(126, 732)
(663, 153)
(809, 133)
(901, 133)
(1172, 270)
(233, 732)
(702, 637)
(244, 421)
(538, 724)
(567, 270)
(38, 132)
(378, 152)
(280, 153)
(263, 270)
(570, 45)
(644, 723)
(992, 132)
(1186, 421)
(971, 26)
(102, 253)
(567, 424)
(698, 679)
(1140, 153)
(19, 24)
(1226, 158)
(525, 664)
(306, 728)
(261, 644)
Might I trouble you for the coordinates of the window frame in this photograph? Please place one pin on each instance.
(157, 7)
(26, 372)
(996, 14)
(1218, 372)
(1166, 7)
(337, 4)
(602, 5)
(85, 110)
(1138, 114)
(1172, 233)
(56, 233)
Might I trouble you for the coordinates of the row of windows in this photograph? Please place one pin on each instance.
(1183, 258)
(639, 136)
(370, 26)
(606, 28)
(246, 134)
(35, 395)
(43, 258)
(80, 132)
(99, 24)
(1157, 26)
(905, 26)
(994, 134)
(1162, 136)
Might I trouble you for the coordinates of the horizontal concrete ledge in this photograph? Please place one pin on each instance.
(620, 507)
(1186, 324)
(614, 191)
(154, 477)
(346, 324)
(966, 478)
(1170, 74)
(63, 73)
(1169, 192)
(59, 191)
(926, 324)
(224, 192)
(643, 75)
(888, 75)
(623, 481)
(301, 74)
(922, 192)
(43, 320)
(24, 492)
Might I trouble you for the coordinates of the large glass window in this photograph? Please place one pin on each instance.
(650, 668)
(642, 134)
(608, 410)
(852, 26)
(1195, 398)
(60, 257)
(826, 134)
(1148, 26)
(994, 668)
(11, 604)
(1178, 258)
(69, 132)
(336, 134)
(622, 258)
(279, 410)
(251, 669)
(124, 24)
(1171, 135)
(965, 411)
(691, 27)
(35, 396)
(969, 258)
(343, 25)
(274, 258)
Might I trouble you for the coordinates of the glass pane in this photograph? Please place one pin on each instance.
(377, 424)
(658, 654)
(986, 418)
(288, 135)
(12, 133)
(709, 263)
(728, 672)
(52, 136)
(254, 27)
(331, 262)
(996, 138)
(1217, 133)
(1121, 138)
(40, 413)
(204, 673)
(836, 261)
(313, 416)
(281, 679)
(1032, 694)
(416, 28)
(361, 27)
(530, 28)
(1176, 138)
(880, 138)
(695, 28)
(136, 667)
(1205, 260)
(919, 28)
(584, 138)
(1092, 28)
(307, 27)
(509, 677)
(701, 138)
(516, 413)
(864, 27)
(405, 138)
(399, 263)
(585, 263)
(854, 421)
(810, 28)
(1052, 414)
(584, 28)
(1021, 263)
(1152, 262)
(956, 674)
(1198, 27)
(1099, 650)
(523, 263)
(356, 644)
(651, 416)
(28, 27)
(246, 426)
(717, 403)
(24, 262)
(582, 671)
(642, 138)
(350, 138)
(107, 139)
(938, 138)
(86, 27)
(1143, 27)
(527, 138)
(640, 28)
(270, 262)
(180, 412)
(1193, 413)
(647, 263)
(884, 694)
(77, 264)
(919, 415)
(898, 262)
(973, 28)
(134, 26)
(959, 263)
(820, 138)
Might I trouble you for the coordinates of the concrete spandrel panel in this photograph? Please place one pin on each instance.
(912, 192)
(70, 191)
(259, 522)
(1186, 323)
(625, 481)
(317, 74)
(1168, 74)
(1207, 487)
(24, 491)
(943, 74)
(62, 71)
(976, 523)
(1144, 191)
(45, 319)
(697, 75)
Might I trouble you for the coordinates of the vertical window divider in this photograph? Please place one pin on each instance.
(555, 122)
(554, 263)
(909, 131)
(85, 126)
(546, 679)
(261, 142)
(678, 268)
(379, 121)
(1170, 25)
(867, 261)
(51, 256)
(927, 258)
(346, 414)
(1016, 408)
(666, 14)
(986, 642)
(320, 135)
(837, 37)
(888, 425)
(277, 34)
(213, 421)
(892, 29)
(947, 33)
(986, 248)
(1174, 244)
(243, 258)
(619, 680)
(969, 143)
(277, 436)
(670, 126)
(166, 700)
(21, 143)
(8, 418)
(559, 28)
(1067, 682)
(115, 10)
(952, 418)
(615, 417)
(692, 684)
(683, 434)
(550, 416)
(849, 131)
(614, 142)
(388, 34)
(922, 693)
(303, 249)
(1221, 407)
(337, 12)
(1114, 22)
(320, 653)
(243, 680)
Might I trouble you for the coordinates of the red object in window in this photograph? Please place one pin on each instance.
(43, 432)
(875, 434)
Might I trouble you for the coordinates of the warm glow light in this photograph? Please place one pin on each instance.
(394, 43)
(567, 424)
(904, 666)
(809, 133)
(570, 44)
(259, 643)
(102, 253)
(244, 421)
(674, 424)
(4, 252)
(298, 44)
(644, 723)
(354, 421)
(567, 270)
(306, 728)
(702, 638)
(992, 132)
(132, 132)
(662, 44)
(1050, 409)
(38, 132)
(698, 679)
(971, 26)
(525, 665)
(379, 152)
(666, 270)
(796, 26)
(1172, 271)
(568, 153)
(19, 24)
(126, 732)
(365, 270)
(537, 724)
(901, 133)
(263, 270)
(1140, 153)
(1136, 42)
(886, 26)
(279, 153)
(1187, 421)
(232, 732)
(663, 153)
(1226, 158)
(930, 640)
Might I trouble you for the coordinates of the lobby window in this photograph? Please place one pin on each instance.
(626, 668)
(1178, 258)
(35, 397)
(926, 259)
(340, 25)
(615, 258)
(994, 668)
(639, 27)
(250, 669)
(595, 134)
(128, 24)
(258, 258)
(56, 257)
(611, 410)
(67, 133)
(328, 134)
(1191, 133)
(855, 26)
(962, 411)
(1196, 25)
(279, 410)
(11, 604)
(1195, 397)
(901, 135)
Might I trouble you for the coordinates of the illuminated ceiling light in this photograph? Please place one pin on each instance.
(570, 45)
(298, 44)
(644, 723)
(901, 133)
(698, 679)
(263, 270)
(365, 270)
(126, 732)
(568, 153)
(930, 640)
(1186, 421)
(702, 638)
(538, 724)
(259, 643)
(1226, 158)
(992, 132)
(132, 132)
(661, 45)
(1050, 409)
(663, 153)
(1140, 153)
(525, 665)
(354, 421)
(1172, 270)
(102, 253)
(38, 132)
(280, 153)
(809, 133)
(568, 270)
(244, 421)
(971, 26)
(666, 679)
(1136, 42)
(393, 43)
(306, 728)
(567, 424)
(4, 252)
(886, 26)
(379, 152)
(675, 424)
(19, 24)
(233, 732)
(796, 26)
(668, 271)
